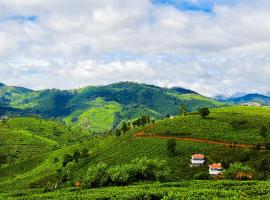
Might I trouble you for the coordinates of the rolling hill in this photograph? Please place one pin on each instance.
(101, 108)
(29, 174)
(264, 100)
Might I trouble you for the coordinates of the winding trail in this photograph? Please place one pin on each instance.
(228, 144)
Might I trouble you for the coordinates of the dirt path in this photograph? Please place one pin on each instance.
(141, 134)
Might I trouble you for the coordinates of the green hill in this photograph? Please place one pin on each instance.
(238, 124)
(101, 108)
(27, 175)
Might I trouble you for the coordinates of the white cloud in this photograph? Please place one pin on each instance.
(74, 43)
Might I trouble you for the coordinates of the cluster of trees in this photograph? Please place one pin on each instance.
(75, 157)
(126, 126)
(142, 121)
(139, 169)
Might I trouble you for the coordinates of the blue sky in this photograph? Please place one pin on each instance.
(195, 5)
(213, 47)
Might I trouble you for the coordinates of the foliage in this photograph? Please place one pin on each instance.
(139, 169)
(100, 108)
(142, 121)
(171, 144)
(204, 112)
(167, 191)
(238, 171)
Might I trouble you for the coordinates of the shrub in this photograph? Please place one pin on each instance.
(97, 176)
(118, 132)
(139, 169)
(204, 112)
(238, 171)
(202, 176)
(120, 175)
(171, 144)
(67, 158)
(85, 153)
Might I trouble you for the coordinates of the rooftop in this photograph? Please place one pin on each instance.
(215, 166)
(198, 156)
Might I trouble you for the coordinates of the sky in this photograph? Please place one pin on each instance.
(210, 46)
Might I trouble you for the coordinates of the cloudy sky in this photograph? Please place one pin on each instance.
(211, 46)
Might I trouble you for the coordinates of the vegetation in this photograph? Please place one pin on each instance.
(237, 124)
(239, 171)
(103, 108)
(204, 112)
(102, 175)
(171, 144)
(180, 190)
(41, 158)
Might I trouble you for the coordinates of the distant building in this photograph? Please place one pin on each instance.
(215, 169)
(197, 160)
(252, 103)
(4, 117)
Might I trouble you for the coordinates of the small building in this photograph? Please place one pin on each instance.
(197, 160)
(215, 169)
(77, 184)
(2, 118)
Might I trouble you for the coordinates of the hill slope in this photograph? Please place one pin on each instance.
(104, 107)
(237, 124)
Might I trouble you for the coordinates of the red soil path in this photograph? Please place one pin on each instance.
(143, 135)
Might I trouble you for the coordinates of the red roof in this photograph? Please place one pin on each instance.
(215, 166)
(198, 156)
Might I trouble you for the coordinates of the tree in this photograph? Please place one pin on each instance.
(125, 127)
(145, 120)
(117, 132)
(183, 109)
(204, 112)
(171, 144)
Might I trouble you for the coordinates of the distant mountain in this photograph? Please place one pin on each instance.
(264, 100)
(102, 107)
(2, 85)
(182, 90)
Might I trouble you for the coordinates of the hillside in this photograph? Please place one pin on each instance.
(103, 107)
(264, 100)
(116, 150)
(238, 124)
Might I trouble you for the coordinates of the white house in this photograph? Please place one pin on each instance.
(197, 160)
(215, 169)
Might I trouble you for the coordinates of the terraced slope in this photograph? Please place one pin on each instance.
(237, 124)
